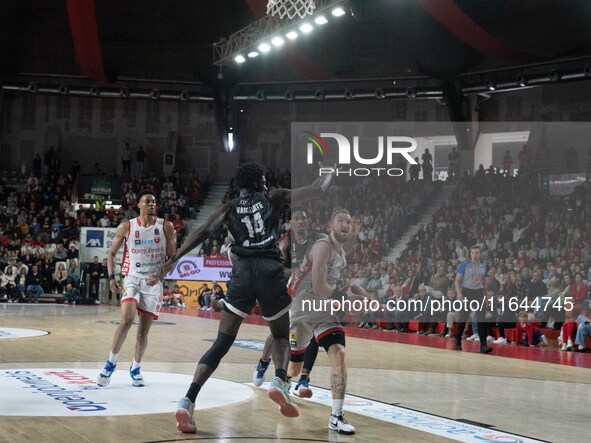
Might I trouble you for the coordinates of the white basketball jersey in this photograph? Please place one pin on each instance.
(300, 281)
(145, 249)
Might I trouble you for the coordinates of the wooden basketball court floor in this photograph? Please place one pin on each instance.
(422, 392)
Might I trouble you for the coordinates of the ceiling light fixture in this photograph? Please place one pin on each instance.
(277, 41)
(338, 11)
(306, 28)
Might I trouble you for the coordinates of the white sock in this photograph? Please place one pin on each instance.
(337, 407)
(113, 358)
(134, 365)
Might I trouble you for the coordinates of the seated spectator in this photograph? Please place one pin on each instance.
(218, 296)
(178, 297)
(207, 299)
(74, 273)
(225, 249)
(59, 278)
(72, 294)
(527, 334)
(201, 296)
(21, 282)
(72, 251)
(60, 254)
(167, 297)
(8, 289)
(34, 284)
(451, 316)
(179, 228)
(584, 327)
(504, 318)
(422, 311)
(214, 253)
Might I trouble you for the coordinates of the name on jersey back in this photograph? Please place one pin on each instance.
(249, 209)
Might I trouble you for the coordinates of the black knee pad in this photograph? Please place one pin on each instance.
(297, 357)
(220, 347)
(334, 338)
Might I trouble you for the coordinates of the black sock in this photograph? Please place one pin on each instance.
(281, 373)
(193, 391)
(265, 364)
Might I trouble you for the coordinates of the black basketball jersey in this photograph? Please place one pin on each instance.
(253, 224)
(298, 251)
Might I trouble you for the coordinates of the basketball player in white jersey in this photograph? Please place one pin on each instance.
(316, 279)
(148, 240)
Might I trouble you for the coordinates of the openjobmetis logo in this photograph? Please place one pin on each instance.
(387, 146)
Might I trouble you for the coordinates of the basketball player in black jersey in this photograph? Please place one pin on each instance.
(257, 274)
(294, 246)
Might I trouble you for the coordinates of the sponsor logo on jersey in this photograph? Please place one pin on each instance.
(157, 240)
(144, 242)
(138, 264)
(95, 239)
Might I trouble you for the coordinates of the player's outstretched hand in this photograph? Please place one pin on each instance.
(325, 180)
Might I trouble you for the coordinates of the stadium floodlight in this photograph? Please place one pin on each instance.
(338, 11)
(285, 21)
(306, 28)
(239, 59)
(264, 47)
(253, 54)
(277, 41)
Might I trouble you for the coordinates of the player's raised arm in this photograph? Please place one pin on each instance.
(212, 224)
(287, 196)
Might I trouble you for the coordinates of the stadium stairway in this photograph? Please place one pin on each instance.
(425, 218)
(214, 197)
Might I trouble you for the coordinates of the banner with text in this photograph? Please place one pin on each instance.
(97, 242)
(199, 268)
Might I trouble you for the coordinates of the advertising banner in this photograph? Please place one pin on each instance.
(97, 242)
(198, 268)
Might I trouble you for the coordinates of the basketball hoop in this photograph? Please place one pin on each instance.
(290, 8)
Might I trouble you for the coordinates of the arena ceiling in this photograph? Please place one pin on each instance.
(412, 40)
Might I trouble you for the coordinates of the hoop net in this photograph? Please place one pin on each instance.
(290, 8)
